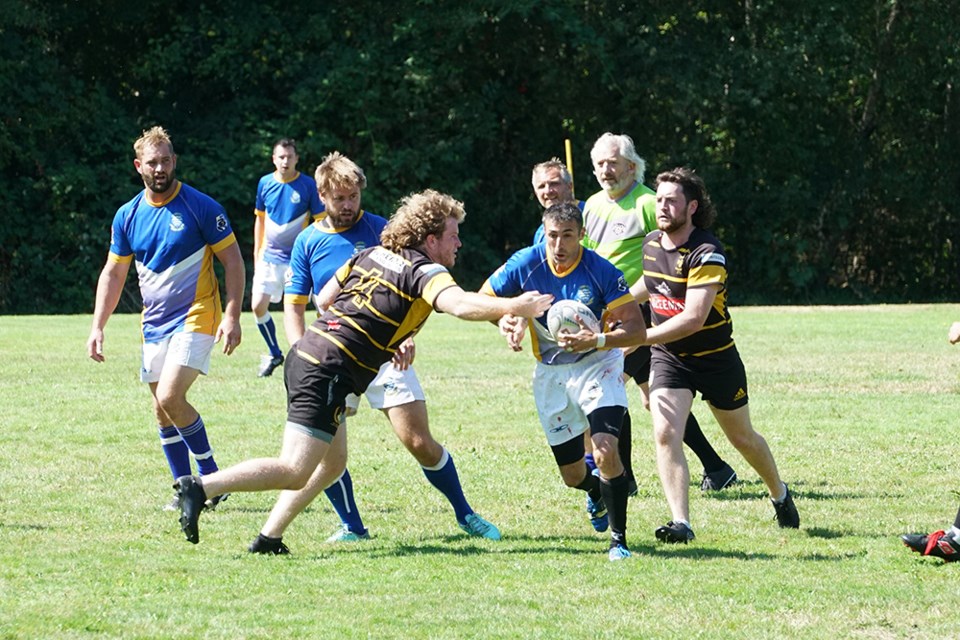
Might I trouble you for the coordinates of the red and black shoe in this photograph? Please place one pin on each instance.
(937, 544)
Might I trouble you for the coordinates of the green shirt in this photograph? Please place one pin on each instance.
(616, 230)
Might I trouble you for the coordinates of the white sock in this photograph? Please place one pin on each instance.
(783, 494)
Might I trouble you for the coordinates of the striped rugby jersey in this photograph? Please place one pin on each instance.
(668, 273)
(385, 298)
(287, 208)
(173, 245)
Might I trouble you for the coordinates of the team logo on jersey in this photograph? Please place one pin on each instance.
(288, 277)
(333, 325)
(664, 289)
(622, 284)
(176, 223)
(221, 222)
(619, 229)
(679, 266)
(584, 295)
(359, 246)
(295, 197)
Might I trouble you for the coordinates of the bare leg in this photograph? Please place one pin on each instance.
(410, 423)
(751, 445)
(170, 396)
(291, 503)
(299, 457)
(670, 408)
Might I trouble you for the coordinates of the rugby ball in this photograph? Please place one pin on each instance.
(562, 317)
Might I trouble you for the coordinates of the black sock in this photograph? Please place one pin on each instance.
(693, 437)
(590, 484)
(956, 521)
(615, 496)
(625, 444)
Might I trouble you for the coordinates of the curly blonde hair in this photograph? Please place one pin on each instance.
(152, 137)
(420, 215)
(338, 170)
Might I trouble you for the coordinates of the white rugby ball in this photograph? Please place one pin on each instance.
(562, 317)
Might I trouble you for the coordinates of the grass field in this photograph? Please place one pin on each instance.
(859, 405)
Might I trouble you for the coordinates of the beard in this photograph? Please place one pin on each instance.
(674, 224)
(159, 184)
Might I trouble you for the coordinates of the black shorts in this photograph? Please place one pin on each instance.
(720, 377)
(637, 364)
(316, 399)
(602, 420)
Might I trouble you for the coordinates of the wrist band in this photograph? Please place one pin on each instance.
(601, 340)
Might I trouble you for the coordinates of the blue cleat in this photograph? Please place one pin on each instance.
(597, 511)
(477, 526)
(343, 534)
(618, 552)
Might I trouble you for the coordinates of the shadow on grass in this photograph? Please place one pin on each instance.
(24, 527)
(755, 489)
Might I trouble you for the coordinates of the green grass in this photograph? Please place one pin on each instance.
(859, 406)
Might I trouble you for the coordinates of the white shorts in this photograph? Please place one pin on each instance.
(391, 388)
(567, 393)
(268, 278)
(187, 349)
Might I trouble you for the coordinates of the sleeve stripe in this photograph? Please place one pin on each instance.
(223, 244)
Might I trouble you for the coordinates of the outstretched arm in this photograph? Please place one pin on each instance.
(468, 305)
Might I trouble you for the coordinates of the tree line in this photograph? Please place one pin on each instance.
(828, 132)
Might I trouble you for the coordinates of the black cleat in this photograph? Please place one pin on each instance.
(938, 545)
(192, 502)
(719, 479)
(268, 364)
(213, 503)
(787, 516)
(268, 546)
(674, 532)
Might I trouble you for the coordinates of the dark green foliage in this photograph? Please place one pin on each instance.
(828, 132)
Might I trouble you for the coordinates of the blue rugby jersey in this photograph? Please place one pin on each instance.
(592, 280)
(320, 250)
(173, 244)
(287, 208)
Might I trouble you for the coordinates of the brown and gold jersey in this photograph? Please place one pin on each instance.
(385, 297)
(668, 273)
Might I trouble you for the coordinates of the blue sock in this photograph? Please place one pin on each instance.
(591, 465)
(340, 495)
(269, 332)
(196, 438)
(175, 449)
(444, 477)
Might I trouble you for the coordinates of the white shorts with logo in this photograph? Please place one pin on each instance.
(186, 349)
(566, 394)
(391, 388)
(268, 278)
